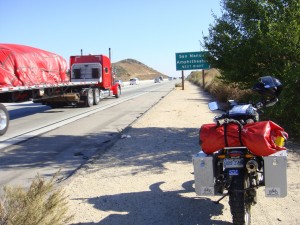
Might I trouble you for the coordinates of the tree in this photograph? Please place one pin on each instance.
(254, 38)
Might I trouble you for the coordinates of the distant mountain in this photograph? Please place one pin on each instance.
(130, 68)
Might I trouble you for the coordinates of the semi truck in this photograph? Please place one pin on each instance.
(32, 74)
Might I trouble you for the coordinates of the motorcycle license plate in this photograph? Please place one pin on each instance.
(233, 163)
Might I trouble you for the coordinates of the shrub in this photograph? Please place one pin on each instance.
(217, 88)
(41, 204)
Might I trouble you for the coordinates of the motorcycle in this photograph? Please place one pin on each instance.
(239, 153)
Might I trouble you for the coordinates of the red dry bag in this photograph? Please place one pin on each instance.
(259, 137)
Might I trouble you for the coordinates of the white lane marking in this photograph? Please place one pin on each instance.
(11, 141)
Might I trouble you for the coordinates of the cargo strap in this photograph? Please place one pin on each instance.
(240, 126)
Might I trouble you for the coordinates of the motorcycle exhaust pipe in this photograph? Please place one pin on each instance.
(252, 166)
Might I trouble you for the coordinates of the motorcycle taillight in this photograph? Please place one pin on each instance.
(235, 155)
(235, 152)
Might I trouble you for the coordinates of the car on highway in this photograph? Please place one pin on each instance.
(157, 80)
(120, 82)
(134, 81)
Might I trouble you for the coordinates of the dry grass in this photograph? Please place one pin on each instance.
(178, 84)
(41, 204)
(221, 92)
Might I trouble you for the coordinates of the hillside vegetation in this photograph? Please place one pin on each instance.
(130, 68)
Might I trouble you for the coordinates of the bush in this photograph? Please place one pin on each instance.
(41, 204)
(217, 88)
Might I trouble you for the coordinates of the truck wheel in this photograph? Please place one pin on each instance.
(89, 100)
(96, 96)
(4, 119)
(117, 95)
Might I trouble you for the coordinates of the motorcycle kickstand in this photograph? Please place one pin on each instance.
(217, 202)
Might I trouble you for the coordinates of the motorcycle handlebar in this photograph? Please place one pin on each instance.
(226, 120)
(220, 117)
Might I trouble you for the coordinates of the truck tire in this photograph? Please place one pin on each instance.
(96, 96)
(4, 119)
(117, 95)
(89, 98)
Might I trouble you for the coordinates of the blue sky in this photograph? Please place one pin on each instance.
(150, 31)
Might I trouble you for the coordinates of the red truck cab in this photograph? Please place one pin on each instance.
(94, 68)
(91, 68)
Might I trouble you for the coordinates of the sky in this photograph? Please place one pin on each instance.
(150, 31)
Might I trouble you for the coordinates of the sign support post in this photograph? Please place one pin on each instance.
(182, 77)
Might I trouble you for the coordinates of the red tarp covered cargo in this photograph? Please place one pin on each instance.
(26, 66)
(258, 137)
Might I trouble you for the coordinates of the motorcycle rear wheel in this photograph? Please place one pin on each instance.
(239, 200)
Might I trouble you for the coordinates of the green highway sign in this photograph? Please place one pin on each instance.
(191, 61)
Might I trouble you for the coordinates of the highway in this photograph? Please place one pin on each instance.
(42, 140)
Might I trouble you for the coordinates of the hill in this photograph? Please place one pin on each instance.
(130, 68)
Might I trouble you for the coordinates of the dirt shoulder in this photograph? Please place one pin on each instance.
(147, 177)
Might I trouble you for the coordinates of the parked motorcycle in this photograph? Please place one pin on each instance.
(239, 154)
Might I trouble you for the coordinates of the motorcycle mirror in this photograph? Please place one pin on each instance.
(272, 102)
(213, 106)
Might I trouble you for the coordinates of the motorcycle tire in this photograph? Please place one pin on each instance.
(239, 200)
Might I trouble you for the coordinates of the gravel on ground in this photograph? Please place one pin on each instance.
(146, 177)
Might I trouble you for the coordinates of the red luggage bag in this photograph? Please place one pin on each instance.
(259, 137)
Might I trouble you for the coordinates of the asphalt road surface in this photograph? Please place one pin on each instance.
(41, 140)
